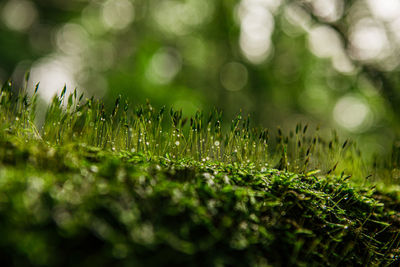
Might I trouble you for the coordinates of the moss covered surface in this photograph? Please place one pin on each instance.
(188, 192)
(76, 205)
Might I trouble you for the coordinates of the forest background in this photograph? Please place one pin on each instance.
(331, 63)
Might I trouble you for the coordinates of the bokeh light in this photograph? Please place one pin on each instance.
(328, 10)
(181, 17)
(257, 25)
(72, 39)
(234, 76)
(19, 15)
(297, 17)
(53, 73)
(369, 40)
(117, 14)
(325, 42)
(164, 65)
(352, 113)
(385, 10)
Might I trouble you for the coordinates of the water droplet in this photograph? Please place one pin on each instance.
(177, 143)
(94, 168)
(216, 143)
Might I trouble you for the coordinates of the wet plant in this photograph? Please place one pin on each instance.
(167, 133)
(136, 185)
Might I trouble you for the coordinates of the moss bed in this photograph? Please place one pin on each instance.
(76, 205)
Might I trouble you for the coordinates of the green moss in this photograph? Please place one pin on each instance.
(78, 205)
(93, 188)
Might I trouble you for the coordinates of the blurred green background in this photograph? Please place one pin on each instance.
(328, 62)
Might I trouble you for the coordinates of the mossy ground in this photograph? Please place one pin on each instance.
(76, 205)
(136, 187)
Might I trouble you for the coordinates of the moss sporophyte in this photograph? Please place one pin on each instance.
(141, 186)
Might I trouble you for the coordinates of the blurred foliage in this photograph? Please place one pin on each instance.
(332, 63)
